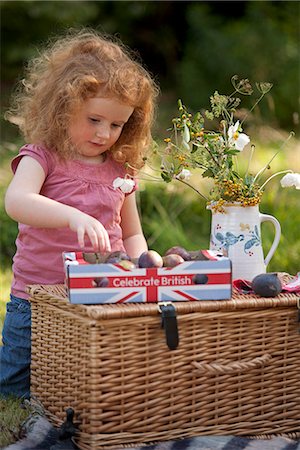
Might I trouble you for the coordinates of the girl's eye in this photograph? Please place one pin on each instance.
(93, 120)
(116, 125)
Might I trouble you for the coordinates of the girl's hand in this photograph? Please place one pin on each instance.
(85, 225)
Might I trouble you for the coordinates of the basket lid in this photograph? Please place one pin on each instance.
(57, 296)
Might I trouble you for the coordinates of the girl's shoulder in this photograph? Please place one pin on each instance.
(40, 153)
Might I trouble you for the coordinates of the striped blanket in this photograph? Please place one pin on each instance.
(43, 436)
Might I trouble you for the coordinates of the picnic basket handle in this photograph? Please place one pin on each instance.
(216, 368)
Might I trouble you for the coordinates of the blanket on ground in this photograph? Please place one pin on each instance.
(43, 436)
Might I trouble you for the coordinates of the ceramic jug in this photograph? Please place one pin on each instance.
(236, 233)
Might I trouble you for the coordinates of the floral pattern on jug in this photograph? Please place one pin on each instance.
(223, 240)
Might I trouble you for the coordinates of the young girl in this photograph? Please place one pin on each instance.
(86, 107)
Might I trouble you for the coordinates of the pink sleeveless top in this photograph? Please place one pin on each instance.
(38, 259)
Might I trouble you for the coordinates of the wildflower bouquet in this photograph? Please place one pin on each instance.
(194, 145)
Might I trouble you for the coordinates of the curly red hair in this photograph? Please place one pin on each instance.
(76, 67)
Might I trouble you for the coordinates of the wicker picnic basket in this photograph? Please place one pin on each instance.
(235, 371)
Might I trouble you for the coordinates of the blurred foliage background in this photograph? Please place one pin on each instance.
(192, 48)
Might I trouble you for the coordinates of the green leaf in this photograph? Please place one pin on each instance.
(208, 173)
(249, 180)
(232, 152)
(166, 177)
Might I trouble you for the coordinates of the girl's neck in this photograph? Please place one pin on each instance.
(93, 160)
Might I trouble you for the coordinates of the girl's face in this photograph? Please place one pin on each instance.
(96, 127)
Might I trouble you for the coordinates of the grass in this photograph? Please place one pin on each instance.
(12, 415)
(5, 282)
(12, 412)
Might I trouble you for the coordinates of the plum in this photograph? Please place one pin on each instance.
(129, 265)
(200, 278)
(172, 260)
(150, 258)
(100, 282)
(266, 285)
(179, 251)
(91, 258)
(116, 257)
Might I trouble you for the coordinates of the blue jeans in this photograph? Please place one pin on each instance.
(15, 354)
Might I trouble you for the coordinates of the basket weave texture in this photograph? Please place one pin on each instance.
(235, 371)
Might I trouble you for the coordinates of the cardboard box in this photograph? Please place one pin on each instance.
(85, 286)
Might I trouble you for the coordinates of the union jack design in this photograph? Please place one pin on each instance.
(146, 285)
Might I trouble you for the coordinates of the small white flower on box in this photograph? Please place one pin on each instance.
(71, 263)
(291, 179)
(237, 139)
(125, 184)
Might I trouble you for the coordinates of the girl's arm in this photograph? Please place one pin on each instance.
(25, 204)
(133, 237)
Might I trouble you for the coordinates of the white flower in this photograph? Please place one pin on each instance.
(291, 179)
(184, 174)
(237, 139)
(71, 263)
(125, 184)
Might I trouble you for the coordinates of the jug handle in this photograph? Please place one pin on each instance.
(268, 218)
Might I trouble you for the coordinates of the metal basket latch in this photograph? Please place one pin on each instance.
(169, 324)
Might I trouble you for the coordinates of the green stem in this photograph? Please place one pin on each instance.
(267, 165)
(149, 176)
(236, 162)
(226, 116)
(254, 106)
(212, 157)
(202, 166)
(192, 187)
(274, 175)
(176, 134)
(250, 159)
(233, 93)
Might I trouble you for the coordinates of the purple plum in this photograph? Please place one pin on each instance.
(179, 251)
(129, 265)
(150, 258)
(172, 260)
(267, 285)
(116, 257)
(200, 278)
(100, 282)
